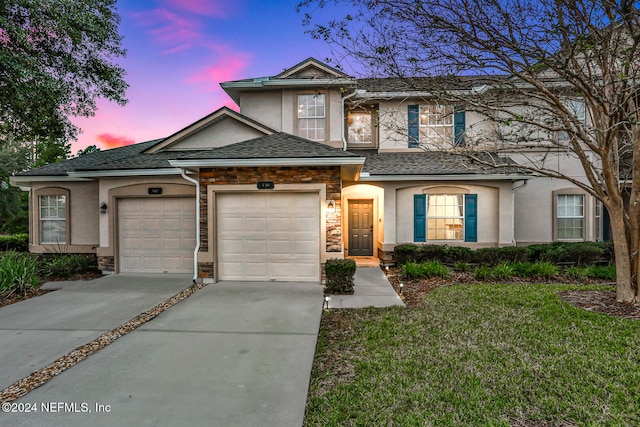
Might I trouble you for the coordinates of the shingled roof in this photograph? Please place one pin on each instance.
(277, 145)
(432, 163)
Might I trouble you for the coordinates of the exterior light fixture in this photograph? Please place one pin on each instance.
(103, 208)
(331, 206)
(327, 299)
(401, 286)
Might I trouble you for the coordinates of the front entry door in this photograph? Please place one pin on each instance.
(361, 227)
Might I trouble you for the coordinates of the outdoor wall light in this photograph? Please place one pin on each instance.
(103, 208)
(327, 299)
(331, 206)
(401, 286)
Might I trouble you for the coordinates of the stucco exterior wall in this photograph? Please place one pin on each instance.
(82, 217)
(225, 132)
(264, 107)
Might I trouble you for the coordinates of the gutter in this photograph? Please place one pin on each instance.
(366, 177)
(183, 172)
(309, 161)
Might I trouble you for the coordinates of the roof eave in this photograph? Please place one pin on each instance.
(254, 162)
(124, 172)
(365, 176)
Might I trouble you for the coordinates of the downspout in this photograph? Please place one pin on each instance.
(513, 204)
(183, 172)
(344, 140)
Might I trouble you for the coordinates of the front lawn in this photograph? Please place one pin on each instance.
(499, 355)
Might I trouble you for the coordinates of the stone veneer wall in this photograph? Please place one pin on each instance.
(329, 175)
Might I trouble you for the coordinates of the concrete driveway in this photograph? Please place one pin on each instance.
(232, 354)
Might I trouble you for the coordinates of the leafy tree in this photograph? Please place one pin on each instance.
(90, 149)
(14, 203)
(530, 60)
(57, 58)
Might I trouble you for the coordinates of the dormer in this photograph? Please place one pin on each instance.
(304, 100)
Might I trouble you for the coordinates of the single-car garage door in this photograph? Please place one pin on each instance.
(268, 236)
(156, 235)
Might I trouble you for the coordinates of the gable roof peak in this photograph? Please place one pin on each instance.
(309, 64)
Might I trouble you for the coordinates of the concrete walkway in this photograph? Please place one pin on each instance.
(371, 289)
(37, 331)
(232, 354)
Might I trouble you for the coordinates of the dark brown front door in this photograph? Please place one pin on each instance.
(360, 227)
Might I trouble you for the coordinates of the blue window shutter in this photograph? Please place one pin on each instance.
(419, 217)
(470, 217)
(459, 125)
(414, 123)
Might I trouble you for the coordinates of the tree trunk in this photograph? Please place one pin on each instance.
(626, 288)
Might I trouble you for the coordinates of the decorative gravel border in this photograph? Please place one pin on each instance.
(39, 377)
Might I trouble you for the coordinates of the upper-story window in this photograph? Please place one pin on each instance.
(312, 116)
(362, 127)
(436, 125)
(577, 108)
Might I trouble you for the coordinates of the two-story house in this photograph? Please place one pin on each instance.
(315, 165)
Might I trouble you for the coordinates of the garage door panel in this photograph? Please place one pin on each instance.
(156, 235)
(269, 236)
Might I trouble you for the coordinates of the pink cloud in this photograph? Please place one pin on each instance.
(108, 140)
(170, 29)
(227, 67)
(217, 8)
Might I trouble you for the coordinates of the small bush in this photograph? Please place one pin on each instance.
(462, 267)
(64, 265)
(483, 273)
(15, 242)
(413, 270)
(503, 271)
(578, 273)
(339, 274)
(486, 256)
(407, 252)
(583, 253)
(607, 272)
(456, 254)
(608, 252)
(551, 252)
(432, 253)
(18, 273)
(543, 270)
(513, 254)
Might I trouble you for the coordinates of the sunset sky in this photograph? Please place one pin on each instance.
(178, 53)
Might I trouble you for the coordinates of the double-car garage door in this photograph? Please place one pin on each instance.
(266, 236)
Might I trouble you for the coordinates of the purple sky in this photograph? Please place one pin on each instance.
(178, 53)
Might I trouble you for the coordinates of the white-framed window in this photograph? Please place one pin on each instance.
(436, 124)
(311, 116)
(576, 107)
(445, 217)
(570, 217)
(360, 128)
(53, 219)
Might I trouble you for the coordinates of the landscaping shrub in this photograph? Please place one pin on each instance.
(552, 252)
(503, 271)
(583, 253)
(607, 272)
(513, 254)
(543, 270)
(413, 270)
(462, 267)
(18, 273)
(339, 273)
(578, 273)
(454, 254)
(407, 252)
(64, 265)
(483, 273)
(15, 242)
(608, 252)
(486, 256)
(432, 253)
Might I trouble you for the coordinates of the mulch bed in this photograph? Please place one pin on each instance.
(22, 296)
(414, 291)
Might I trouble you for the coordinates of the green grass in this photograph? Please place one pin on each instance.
(494, 355)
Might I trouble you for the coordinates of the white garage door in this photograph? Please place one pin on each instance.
(268, 236)
(156, 235)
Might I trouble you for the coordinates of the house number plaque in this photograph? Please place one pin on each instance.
(155, 190)
(265, 185)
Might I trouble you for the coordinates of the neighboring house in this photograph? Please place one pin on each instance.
(311, 168)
